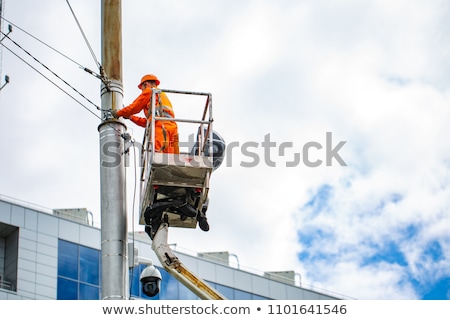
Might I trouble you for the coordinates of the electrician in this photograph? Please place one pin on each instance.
(166, 132)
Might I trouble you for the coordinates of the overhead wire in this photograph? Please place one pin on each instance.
(56, 85)
(47, 68)
(50, 47)
(55, 50)
(102, 77)
(35, 69)
(102, 72)
(132, 211)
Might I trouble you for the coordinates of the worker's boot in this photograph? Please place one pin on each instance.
(202, 221)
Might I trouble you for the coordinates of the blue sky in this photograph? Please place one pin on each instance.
(390, 250)
(371, 73)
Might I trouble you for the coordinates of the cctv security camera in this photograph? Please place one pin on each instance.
(151, 281)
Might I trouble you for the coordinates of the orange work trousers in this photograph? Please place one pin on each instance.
(166, 137)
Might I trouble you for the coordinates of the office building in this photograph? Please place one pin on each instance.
(55, 255)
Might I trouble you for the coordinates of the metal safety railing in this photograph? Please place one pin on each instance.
(148, 144)
(204, 133)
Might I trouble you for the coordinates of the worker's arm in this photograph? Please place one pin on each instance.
(140, 121)
(137, 105)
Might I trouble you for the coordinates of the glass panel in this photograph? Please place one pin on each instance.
(67, 289)
(88, 292)
(242, 295)
(169, 286)
(67, 259)
(89, 265)
(226, 291)
(186, 294)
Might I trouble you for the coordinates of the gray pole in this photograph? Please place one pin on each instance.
(112, 167)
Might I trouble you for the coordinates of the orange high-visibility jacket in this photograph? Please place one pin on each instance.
(143, 102)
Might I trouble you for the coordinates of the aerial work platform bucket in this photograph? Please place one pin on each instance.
(174, 187)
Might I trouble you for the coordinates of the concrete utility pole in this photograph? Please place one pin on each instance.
(112, 167)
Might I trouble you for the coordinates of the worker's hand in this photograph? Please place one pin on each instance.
(114, 114)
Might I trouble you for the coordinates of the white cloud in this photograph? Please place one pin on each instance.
(370, 72)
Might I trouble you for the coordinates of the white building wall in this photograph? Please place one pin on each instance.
(38, 261)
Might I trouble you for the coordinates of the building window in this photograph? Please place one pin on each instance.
(78, 272)
(68, 260)
(67, 289)
(79, 275)
(172, 289)
(9, 252)
(89, 266)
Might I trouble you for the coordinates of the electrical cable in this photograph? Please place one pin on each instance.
(84, 36)
(51, 81)
(56, 85)
(132, 212)
(102, 76)
(43, 65)
(48, 46)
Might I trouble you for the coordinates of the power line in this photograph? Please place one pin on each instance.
(42, 42)
(43, 65)
(84, 36)
(102, 77)
(123, 135)
(56, 85)
(52, 48)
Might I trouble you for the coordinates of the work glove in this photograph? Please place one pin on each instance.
(114, 114)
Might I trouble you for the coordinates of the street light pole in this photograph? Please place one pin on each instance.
(112, 162)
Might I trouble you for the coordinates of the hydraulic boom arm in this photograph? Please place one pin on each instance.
(175, 267)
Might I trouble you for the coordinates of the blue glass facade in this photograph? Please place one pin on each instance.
(79, 278)
(78, 272)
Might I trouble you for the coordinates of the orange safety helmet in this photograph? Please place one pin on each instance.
(148, 77)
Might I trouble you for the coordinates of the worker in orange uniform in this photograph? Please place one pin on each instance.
(166, 132)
